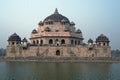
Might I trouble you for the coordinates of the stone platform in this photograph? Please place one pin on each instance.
(63, 59)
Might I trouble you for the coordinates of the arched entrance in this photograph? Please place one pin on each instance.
(34, 42)
(58, 52)
(62, 41)
(92, 55)
(50, 41)
(41, 42)
(72, 41)
(37, 41)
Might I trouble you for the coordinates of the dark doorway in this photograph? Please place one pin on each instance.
(75, 42)
(58, 52)
(34, 42)
(50, 41)
(72, 42)
(57, 44)
(104, 44)
(62, 41)
(37, 41)
(92, 55)
(41, 42)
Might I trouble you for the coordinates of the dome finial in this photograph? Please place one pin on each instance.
(56, 11)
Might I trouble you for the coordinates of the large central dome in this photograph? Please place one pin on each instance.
(56, 17)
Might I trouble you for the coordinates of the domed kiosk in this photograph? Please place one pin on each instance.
(102, 40)
(14, 39)
(56, 36)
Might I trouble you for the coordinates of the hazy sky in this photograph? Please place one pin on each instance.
(93, 17)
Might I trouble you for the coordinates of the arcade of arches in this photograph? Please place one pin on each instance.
(57, 41)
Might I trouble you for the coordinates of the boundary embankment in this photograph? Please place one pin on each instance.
(62, 59)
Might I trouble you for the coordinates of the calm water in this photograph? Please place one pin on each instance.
(59, 71)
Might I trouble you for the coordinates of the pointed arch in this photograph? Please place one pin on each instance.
(50, 41)
(47, 29)
(72, 42)
(62, 41)
(58, 52)
(41, 42)
(34, 42)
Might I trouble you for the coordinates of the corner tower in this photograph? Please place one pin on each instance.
(102, 40)
(14, 40)
(103, 48)
(14, 46)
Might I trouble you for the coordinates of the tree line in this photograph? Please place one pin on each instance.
(2, 52)
(115, 53)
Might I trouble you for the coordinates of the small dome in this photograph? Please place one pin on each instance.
(34, 31)
(56, 17)
(78, 31)
(47, 29)
(90, 41)
(72, 23)
(102, 38)
(14, 37)
(40, 23)
(63, 20)
(24, 40)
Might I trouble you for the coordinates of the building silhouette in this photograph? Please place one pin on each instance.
(56, 36)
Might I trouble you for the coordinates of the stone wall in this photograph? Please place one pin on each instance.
(59, 51)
